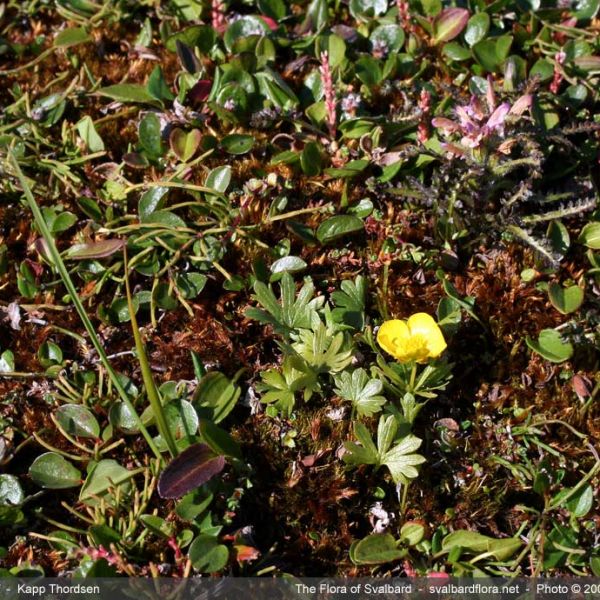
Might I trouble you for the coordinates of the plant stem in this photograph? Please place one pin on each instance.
(68, 283)
(153, 396)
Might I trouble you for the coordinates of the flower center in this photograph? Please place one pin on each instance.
(413, 347)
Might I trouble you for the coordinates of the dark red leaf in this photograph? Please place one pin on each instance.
(200, 91)
(193, 467)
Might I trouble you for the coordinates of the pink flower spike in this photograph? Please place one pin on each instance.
(521, 105)
(496, 121)
(475, 109)
(446, 125)
(452, 149)
(465, 119)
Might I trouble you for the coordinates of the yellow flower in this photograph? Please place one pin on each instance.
(417, 339)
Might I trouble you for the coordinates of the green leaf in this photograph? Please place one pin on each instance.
(190, 284)
(412, 533)
(107, 481)
(368, 70)
(219, 178)
(181, 419)
(215, 396)
(88, 133)
(375, 550)
(550, 346)
(367, 8)
(50, 354)
(151, 138)
(449, 24)
(52, 471)
(476, 543)
(390, 36)
(310, 159)
(164, 218)
(582, 502)
(586, 9)
(350, 303)
(242, 28)
(337, 227)
(78, 421)
(158, 525)
(559, 238)
(402, 461)
(354, 167)
(157, 86)
(237, 143)
(72, 36)
(92, 250)
(219, 440)
(193, 504)
(127, 93)
(275, 9)
(7, 362)
(455, 51)
(565, 300)
(208, 555)
(491, 53)
(322, 350)
(184, 145)
(477, 28)
(151, 201)
(279, 387)
(288, 264)
(364, 393)
(121, 417)
(366, 453)
(293, 313)
(595, 565)
(590, 235)
(11, 492)
(202, 37)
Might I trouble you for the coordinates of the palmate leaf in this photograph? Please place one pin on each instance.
(350, 303)
(366, 453)
(324, 351)
(279, 386)
(291, 312)
(362, 391)
(400, 459)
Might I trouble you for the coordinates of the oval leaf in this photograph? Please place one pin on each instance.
(565, 300)
(550, 346)
(52, 471)
(375, 550)
(590, 235)
(288, 264)
(91, 250)
(193, 467)
(102, 483)
(337, 227)
(11, 492)
(184, 145)
(449, 24)
(127, 92)
(78, 420)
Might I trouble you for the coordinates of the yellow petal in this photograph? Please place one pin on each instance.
(424, 324)
(391, 336)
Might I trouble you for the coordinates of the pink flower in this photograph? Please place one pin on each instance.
(475, 124)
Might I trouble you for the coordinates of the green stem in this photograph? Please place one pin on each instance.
(413, 376)
(153, 396)
(68, 283)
